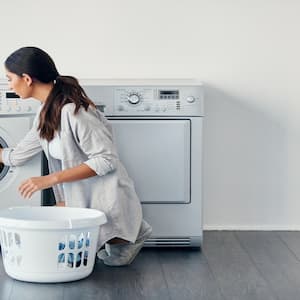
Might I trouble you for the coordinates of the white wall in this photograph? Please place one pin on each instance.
(246, 53)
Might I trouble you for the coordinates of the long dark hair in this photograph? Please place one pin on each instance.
(40, 67)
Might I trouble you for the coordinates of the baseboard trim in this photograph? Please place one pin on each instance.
(252, 228)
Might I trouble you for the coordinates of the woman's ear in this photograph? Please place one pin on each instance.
(28, 80)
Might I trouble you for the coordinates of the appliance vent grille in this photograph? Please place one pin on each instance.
(168, 242)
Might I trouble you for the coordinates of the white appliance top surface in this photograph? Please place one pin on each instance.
(131, 81)
(143, 82)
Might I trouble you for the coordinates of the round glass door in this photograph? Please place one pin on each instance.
(3, 169)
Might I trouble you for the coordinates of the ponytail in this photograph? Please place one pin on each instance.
(66, 90)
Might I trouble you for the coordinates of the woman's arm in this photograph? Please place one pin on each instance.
(33, 184)
(27, 148)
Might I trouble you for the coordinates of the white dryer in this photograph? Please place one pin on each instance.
(16, 116)
(157, 127)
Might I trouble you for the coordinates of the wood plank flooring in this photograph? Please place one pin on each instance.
(233, 265)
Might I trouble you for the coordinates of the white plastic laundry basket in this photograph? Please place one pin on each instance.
(49, 244)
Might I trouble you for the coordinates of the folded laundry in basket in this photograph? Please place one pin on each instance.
(62, 245)
(61, 258)
(70, 257)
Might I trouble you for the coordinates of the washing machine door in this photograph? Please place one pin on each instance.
(3, 169)
(7, 174)
(12, 130)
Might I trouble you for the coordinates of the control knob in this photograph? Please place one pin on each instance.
(190, 99)
(134, 98)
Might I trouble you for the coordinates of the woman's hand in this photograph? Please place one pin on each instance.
(33, 184)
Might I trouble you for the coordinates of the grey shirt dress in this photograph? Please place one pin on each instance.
(87, 138)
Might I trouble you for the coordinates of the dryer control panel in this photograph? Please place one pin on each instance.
(146, 98)
(162, 100)
(12, 104)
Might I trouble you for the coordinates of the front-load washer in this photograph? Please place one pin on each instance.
(16, 117)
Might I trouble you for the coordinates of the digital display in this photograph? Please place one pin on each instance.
(11, 95)
(168, 94)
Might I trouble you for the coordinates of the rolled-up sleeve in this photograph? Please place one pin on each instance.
(97, 145)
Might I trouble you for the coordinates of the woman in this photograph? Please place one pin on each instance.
(85, 170)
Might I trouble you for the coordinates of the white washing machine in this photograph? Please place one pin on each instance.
(16, 117)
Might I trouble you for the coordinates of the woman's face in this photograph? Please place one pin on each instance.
(21, 85)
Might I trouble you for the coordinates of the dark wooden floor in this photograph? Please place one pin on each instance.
(231, 265)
